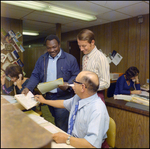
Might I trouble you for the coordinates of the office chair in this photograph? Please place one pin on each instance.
(111, 90)
(111, 133)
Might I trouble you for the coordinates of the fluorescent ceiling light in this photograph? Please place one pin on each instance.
(27, 4)
(52, 9)
(70, 13)
(30, 33)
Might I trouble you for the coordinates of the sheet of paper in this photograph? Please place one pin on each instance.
(10, 98)
(27, 101)
(144, 93)
(37, 119)
(109, 60)
(116, 60)
(48, 86)
(51, 129)
(123, 97)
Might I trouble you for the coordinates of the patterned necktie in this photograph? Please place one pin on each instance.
(85, 62)
(72, 120)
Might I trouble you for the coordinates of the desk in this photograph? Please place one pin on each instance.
(20, 131)
(132, 125)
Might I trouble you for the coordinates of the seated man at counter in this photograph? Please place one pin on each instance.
(88, 120)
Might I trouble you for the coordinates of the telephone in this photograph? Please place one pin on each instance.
(20, 76)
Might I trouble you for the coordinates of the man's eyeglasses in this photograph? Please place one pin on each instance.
(74, 81)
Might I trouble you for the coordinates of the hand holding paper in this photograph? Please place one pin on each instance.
(48, 86)
(64, 86)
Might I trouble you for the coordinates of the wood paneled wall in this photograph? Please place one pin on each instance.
(31, 55)
(128, 37)
(132, 129)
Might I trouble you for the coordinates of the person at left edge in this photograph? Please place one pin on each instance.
(54, 64)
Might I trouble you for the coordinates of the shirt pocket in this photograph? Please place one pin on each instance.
(66, 73)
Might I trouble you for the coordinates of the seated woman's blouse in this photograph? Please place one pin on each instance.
(11, 88)
(123, 88)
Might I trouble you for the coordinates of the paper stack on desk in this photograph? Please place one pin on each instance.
(133, 98)
(48, 86)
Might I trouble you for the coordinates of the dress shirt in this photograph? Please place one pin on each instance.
(98, 63)
(92, 119)
(52, 70)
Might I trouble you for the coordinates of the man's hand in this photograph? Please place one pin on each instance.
(25, 91)
(60, 137)
(40, 98)
(64, 86)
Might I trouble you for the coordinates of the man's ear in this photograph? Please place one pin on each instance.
(83, 87)
(93, 42)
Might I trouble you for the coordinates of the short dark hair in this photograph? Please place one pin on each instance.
(51, 37)
(131, 72)
(86, 34)
(14, 70)
(91, 86)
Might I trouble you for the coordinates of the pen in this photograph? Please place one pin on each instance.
(71, 85)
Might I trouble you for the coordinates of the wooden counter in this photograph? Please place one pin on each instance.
(19, 131)
(132, 124)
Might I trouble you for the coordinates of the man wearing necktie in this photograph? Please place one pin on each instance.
(88, 120)
(94, 60)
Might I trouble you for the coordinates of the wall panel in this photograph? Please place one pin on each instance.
(128, 37)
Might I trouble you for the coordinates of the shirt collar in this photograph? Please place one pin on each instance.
(57, 56)
(92, 52)
(85, 101)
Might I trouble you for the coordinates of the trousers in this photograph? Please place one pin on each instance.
(101, 95)
(61, 116)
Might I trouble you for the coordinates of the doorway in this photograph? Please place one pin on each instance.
(75, 51)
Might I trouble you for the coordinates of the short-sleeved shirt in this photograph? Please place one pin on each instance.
(92, 119)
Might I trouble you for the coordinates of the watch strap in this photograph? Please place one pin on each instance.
(68, 140)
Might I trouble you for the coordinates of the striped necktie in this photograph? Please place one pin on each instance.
(72, 120)
(85, 62)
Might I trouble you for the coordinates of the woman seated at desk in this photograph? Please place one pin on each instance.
(15, 73)
(128, 83)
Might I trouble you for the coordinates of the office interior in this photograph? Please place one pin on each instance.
(129, 36)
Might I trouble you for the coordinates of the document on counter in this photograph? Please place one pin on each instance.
(132, 98)
(10, 98)
(26, 101)
(48, 86)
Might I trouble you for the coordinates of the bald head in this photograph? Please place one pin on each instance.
(90, 79)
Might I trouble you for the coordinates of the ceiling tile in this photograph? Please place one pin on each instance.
(135, 10)
(113, 16)
(10, 11)
(81, 6)
(113, 5)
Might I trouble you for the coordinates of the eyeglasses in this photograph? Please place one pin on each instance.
(78, 82)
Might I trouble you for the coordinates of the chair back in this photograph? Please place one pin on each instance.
(111, 133)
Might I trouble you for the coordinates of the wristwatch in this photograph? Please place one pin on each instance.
(68, 140)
